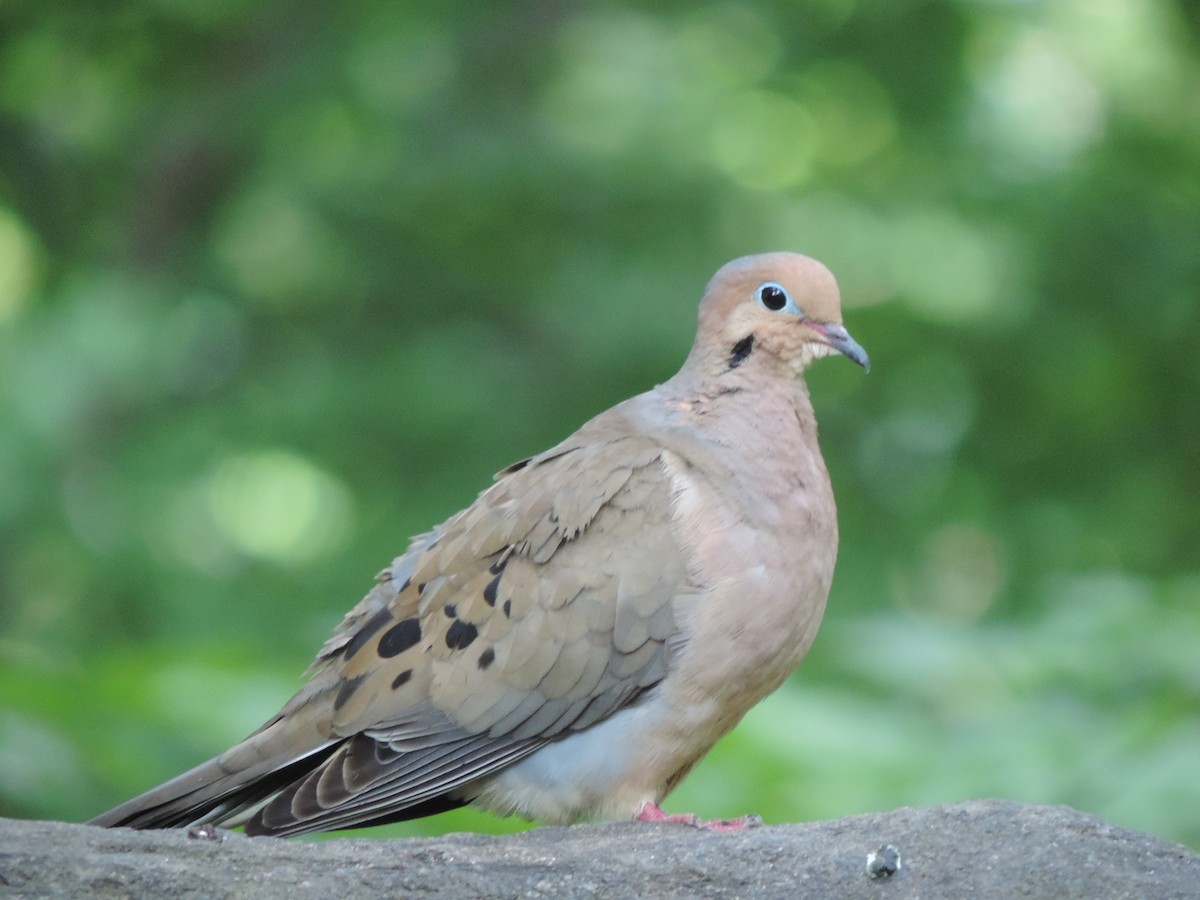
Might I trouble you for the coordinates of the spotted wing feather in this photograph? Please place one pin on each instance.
(537, 611)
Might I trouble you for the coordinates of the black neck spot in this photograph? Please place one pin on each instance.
(741, 350)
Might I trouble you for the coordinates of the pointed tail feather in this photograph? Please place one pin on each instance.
(285, 749)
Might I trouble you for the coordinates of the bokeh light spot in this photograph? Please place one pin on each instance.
(854, 116)
(962, 575)
(1036, 108)
(278, 506)
(18, 265)
(764, 141)
(277, 248)
(613, 65)
(401, 65)
(945, 268)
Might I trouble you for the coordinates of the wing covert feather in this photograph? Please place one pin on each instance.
(544, 607)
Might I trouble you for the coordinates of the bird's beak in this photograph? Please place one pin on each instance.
(837, 337)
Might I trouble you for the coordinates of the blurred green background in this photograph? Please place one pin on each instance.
(284, 283)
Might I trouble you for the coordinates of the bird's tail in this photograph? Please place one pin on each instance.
(226, 789)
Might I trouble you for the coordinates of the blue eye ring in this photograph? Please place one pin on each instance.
(774, 297)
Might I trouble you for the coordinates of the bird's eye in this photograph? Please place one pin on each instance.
(773, 297)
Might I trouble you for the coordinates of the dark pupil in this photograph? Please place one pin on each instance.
(774, 298)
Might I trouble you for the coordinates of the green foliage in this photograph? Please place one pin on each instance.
(281, 285)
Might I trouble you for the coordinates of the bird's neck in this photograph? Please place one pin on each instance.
(752, 394)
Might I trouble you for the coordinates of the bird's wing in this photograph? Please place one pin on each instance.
(539, 610)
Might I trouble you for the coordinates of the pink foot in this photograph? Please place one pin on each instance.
(651, 812)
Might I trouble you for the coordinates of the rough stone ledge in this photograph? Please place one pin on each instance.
(983, 848)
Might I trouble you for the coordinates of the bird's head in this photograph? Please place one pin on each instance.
(782, 306)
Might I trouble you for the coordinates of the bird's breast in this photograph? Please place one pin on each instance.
(761, 541)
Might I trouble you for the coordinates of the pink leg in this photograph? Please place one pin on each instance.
(652, 812)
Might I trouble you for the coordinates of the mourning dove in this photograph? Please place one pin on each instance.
(573, 642)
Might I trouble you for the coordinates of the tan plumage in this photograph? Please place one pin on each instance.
(574, 641)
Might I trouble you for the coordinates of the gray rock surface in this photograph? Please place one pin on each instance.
(990, 849)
